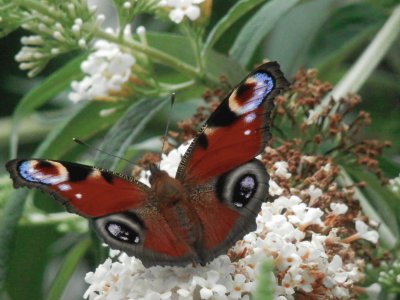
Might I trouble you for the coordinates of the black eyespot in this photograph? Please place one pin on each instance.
(244, 190)
(243, 187)
(122, 233)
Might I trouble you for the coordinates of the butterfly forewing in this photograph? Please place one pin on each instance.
(85, 190)
(238, 130)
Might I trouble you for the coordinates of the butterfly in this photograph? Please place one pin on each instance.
(211, 203)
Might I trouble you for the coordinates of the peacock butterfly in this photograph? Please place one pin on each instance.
(210, 204)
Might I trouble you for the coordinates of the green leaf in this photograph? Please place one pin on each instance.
(128, 127)
(264, 289)
(49, 88)
(336, 56)
(234, 14)
(250, 37)
(290, 41)
(217, 64)
(8, 223)
(67, 269)
(172, 44)
(84, 124)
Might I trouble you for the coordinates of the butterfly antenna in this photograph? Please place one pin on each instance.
(167, 126)
(79, 142)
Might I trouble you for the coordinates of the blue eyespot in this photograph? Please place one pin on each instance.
(27, 172)
(266, 80)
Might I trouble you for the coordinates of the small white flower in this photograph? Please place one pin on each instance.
(209, 286)
(373, 291)
(394, 184)
(282, 169)
(274, 188)
(182, 8)
(304, 215)
(326, 168)
(363, 232)
(106, 69)
(127, 5)
(240, 286)
(338, 208)
(314, 193)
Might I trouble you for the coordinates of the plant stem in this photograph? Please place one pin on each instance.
(367, 62)
(157, 56)
(36, 5)
(176, 87)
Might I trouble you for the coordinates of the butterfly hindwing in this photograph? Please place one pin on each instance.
(227, 206)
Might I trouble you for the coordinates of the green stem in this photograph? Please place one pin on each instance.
(66, 271)
(177, 87)
(367, 62)
(159, 56)
(195, 37)
(39, 7)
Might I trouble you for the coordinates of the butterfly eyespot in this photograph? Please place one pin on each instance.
(245, 186)
(122, 233)
(244, 190)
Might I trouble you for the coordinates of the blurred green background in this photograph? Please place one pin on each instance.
(324, 34)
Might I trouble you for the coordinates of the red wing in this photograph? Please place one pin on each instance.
(223, 225)
(238, 130)
(84, 190)
(146, 234)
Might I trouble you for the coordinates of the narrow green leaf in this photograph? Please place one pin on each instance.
(250, 37)
(264, 289)
(290, 41)
(8, 223)
(172, 44)
(234, 14)
(340, 54)
(367, 62)
(49, 88)
(217, 64)
(84, 123)
(67, 269)
(126, 129)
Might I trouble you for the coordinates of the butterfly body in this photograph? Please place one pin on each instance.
(210, 204)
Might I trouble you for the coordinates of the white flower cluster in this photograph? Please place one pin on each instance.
(301, 257)
(106, 69)
(182, 8)
(52, 38)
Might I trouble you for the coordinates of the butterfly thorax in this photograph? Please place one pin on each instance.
(177, 210)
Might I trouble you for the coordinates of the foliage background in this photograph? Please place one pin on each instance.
(328, 35)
